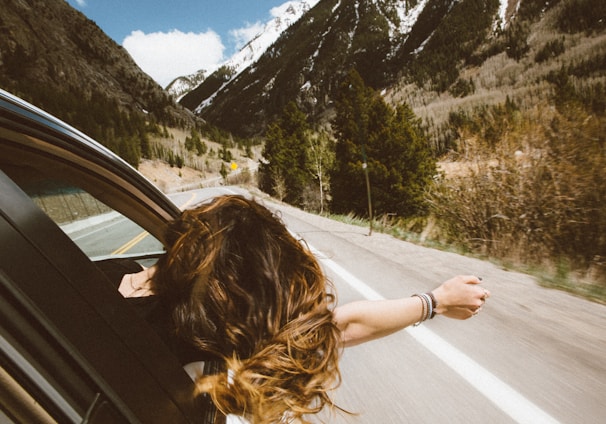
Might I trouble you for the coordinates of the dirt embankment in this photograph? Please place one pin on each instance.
(169, 178)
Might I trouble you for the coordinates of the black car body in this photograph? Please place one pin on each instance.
(71, 349)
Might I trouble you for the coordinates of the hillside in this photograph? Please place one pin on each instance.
(380, 39)
(56, 58)
(434, 54)
(512, 99)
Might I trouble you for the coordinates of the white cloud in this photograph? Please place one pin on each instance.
(165, 56)
(81, 3)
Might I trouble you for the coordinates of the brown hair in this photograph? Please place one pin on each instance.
(245, 290)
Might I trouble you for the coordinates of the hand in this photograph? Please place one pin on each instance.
(460, 297)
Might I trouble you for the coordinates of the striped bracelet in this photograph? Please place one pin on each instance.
(428, 304)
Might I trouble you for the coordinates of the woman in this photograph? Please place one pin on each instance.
(241, 290)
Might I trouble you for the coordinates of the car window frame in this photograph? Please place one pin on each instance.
(129, 351)
(94, 167)
(92, 322)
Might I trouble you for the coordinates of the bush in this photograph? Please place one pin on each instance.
(537, 196)
(583, 16)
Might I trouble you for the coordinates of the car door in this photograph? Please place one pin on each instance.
(71, 349)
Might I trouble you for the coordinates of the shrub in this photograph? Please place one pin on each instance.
(550, 50)
(537, 196)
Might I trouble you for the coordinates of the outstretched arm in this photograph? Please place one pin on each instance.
(460, 298)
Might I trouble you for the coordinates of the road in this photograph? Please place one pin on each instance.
(533, 355)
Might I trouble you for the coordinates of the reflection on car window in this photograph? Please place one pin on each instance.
(97, 229)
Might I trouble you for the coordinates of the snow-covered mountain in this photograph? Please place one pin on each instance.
(184, 84)
(284, 16)
(303, 54)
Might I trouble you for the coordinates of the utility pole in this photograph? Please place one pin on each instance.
(362, 121)
(365, 168)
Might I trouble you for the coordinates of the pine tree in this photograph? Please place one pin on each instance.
(285, 153)
(399, 161)
(351, 127)
(411, 162)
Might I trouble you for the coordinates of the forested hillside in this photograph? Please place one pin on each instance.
(56, 58)
(515, 120)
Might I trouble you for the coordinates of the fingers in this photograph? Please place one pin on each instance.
(459, 313)
(471, 279)
(481, 296)
(461, 297)
(476, 300)
(486, 294)
(481, 292)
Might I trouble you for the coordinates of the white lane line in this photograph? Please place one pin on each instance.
(505, 397)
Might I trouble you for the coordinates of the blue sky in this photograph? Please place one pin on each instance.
(178, 37)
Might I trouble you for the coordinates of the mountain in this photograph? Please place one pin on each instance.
(186, 83)
(55, 57)
(407, 48)
(307, 61)
(244, 58)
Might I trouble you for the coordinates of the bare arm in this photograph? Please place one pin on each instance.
(460, 298)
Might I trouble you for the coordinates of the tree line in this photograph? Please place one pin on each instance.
(371, 149)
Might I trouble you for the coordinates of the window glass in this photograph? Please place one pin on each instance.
(97, 229)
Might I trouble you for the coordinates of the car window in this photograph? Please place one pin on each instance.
(96, 228)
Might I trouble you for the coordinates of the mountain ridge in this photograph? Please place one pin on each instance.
(250, 52)
(50, 46)
(379, 38)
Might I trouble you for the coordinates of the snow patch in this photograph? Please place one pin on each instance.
(284, 16)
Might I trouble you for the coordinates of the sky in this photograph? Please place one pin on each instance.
(173, 38)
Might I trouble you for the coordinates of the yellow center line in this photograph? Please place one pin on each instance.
(131, 243)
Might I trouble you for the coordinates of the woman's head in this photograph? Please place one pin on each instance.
(244, 289)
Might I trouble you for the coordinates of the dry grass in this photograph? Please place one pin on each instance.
(500, 77)
(534, 200)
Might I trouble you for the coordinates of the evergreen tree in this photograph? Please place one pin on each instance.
(223, 171)
(411, 164)
(391, 143)
(285, 153)
(351, 127)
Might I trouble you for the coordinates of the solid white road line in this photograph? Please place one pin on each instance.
(505, 397)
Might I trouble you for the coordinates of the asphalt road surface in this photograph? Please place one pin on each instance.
(533, 355)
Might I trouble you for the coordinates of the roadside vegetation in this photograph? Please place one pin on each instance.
(527, 188)
(519, 140)
(368, 138)
(531, 192)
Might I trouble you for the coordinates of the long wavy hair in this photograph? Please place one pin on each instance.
(244, 290)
